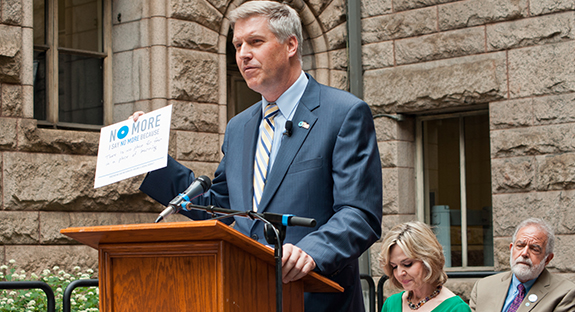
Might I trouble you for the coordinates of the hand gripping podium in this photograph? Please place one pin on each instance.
(189, 266)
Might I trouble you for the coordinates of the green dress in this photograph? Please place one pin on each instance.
(453, 304)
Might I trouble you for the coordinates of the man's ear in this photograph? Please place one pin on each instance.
(549, 257)
(292, 45)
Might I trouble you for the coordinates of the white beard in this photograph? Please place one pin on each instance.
(526, 272)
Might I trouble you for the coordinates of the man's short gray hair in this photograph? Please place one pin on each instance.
(283, 20)
(543, 226)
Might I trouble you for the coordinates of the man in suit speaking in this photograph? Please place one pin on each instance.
(529, 286)
(326, 166)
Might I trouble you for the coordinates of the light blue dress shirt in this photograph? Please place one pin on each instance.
(287, 104)
(512, 292)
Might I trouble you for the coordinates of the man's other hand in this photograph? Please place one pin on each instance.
(136, 115)
(295, 263)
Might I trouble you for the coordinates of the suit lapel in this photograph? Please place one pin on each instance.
(540, 289)
(291, 146)
(250, 137)
(497, 293)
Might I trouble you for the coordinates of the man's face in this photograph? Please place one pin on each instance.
(263, 61)
(528, 257)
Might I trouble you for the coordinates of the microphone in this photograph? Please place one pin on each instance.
(288, 126)
(289, 219)
(200, 185)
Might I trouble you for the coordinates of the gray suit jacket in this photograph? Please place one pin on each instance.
(553, 293)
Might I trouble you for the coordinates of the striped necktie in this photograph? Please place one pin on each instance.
(262, 159)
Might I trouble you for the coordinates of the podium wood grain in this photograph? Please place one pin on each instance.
(189, 266)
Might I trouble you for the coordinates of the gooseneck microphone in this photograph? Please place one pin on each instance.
(289, 127)
(200, 185)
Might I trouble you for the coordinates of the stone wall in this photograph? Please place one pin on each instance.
(514, 57)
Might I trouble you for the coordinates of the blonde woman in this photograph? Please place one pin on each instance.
(413, 260)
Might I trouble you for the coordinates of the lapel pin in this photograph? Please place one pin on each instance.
(532, 297)
(303, 124)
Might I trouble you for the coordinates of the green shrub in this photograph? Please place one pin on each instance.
(32, 300)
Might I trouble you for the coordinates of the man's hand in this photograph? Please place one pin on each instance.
(295, 263)
(136, 115)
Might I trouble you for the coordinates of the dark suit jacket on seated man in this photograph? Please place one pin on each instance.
(328, 169)
(531, 250)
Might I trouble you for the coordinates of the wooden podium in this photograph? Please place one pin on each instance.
(189, 266)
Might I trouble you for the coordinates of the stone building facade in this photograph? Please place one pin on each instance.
(510, 61)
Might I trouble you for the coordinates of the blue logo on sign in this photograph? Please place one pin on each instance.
(123, 132)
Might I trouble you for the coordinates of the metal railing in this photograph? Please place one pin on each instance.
(33, 285)
(371, 285)
(70, 288)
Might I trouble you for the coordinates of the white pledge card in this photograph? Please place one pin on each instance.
(131, 148)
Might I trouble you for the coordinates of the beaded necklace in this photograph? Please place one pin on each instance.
(424, 300)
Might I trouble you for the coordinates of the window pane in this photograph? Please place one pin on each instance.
(442, 171)
(442, 163)
(39, 22)
(80, 89)
(478, 185)
(40, 85)
(80, 24)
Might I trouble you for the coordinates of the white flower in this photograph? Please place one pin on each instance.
(23, 276)
(59, 289)
(22, 272)
(3, 267)
(31, 304)
(77, 268)
(12, 293)
(90, 271)
(10, 301)
(34, 276)
(62, 272)
(12, 261)
(56, 268)
(67, 276)
(46, 272)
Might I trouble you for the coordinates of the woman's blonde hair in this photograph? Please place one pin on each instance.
(418, 242)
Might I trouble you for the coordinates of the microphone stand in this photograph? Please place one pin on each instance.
(274, 232)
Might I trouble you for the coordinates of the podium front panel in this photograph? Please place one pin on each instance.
(193, 276)
(160, 277)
